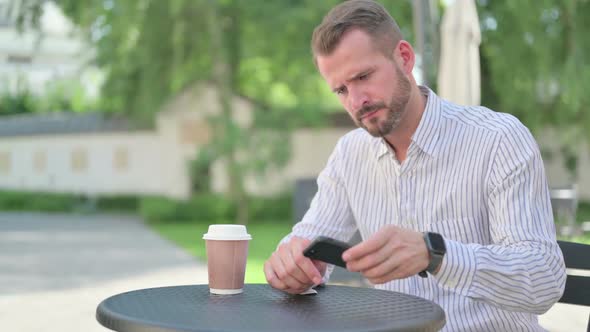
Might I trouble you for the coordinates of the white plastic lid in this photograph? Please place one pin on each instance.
(227, 232)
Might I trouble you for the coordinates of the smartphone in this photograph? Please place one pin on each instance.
(327, 250)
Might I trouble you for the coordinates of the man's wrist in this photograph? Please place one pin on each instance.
(435, 244)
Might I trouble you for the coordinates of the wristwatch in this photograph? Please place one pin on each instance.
(435, 244)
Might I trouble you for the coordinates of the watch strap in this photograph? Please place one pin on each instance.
(436, 256)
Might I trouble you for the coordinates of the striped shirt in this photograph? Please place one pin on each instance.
(476, 177)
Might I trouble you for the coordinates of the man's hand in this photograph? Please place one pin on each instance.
(288, 270)
(392, 253)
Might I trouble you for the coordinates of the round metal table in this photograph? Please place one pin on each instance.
(262, 308)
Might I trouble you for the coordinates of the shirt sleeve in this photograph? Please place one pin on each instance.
(523, 268)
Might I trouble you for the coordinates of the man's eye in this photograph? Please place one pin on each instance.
(341, 91)
(363, 77)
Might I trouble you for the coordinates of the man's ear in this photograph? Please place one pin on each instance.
(405, 56)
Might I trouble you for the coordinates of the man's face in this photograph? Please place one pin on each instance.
(370, 86)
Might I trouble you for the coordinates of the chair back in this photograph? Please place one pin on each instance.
(577, 287)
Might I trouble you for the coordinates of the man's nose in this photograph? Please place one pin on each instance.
(358, 99)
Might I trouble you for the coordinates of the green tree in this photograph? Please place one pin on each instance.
(17, 103)
(536, 66)
(152, 49)
(533, 58)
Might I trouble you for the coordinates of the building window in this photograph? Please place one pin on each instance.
(79, 160)
(194, 132)
(40, 161)
(121, 159)
(19, 59)
(5, 162)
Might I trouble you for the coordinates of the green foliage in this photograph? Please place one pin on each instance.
(34, 201)
(155, 209)
(199, 170)
(279, 207)
(65, 202)
(204, 207)
(200, 207)
(278, 70)
(213, 207)
(21, 102)
(61, 96)
(152, 49)
(209, 207)
(536, 68)
(66, 95)
(117, 203)
(149, 49)
(583, 212)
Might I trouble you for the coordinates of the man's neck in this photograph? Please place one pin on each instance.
(401, 138)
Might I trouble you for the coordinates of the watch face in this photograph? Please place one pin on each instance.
(437, 242)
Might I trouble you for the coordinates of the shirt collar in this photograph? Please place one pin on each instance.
(427, 133)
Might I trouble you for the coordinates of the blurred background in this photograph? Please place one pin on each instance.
(173, 115)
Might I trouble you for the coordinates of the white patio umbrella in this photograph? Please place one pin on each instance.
(459, 72)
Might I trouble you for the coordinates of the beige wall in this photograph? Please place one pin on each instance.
(113, 163)
(310, 151)
(155, 162)
(148, 162)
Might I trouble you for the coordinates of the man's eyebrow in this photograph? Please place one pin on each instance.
(362, 73)
(354, 77)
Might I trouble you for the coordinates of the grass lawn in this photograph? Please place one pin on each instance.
(580, 239)
(265, 237)
(582, 214)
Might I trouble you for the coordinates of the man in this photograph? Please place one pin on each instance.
(451, 201)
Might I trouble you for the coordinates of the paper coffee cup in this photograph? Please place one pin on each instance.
(227, 253)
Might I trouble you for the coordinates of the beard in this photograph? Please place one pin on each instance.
(394, 110)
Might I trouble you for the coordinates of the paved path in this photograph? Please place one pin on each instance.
(55, 269)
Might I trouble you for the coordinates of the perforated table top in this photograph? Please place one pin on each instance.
(260, 308)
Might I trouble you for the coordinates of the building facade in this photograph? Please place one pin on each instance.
(35, 58)
(92, 154)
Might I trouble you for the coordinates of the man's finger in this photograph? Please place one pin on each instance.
(382, 270)
(305, 264)
(272, 278)
(321, 266)
(281, 271)
(366, 247)
(289, 272)
(371, 260)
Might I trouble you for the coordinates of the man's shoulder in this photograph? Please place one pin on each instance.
(482, 118)
(485, 122)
